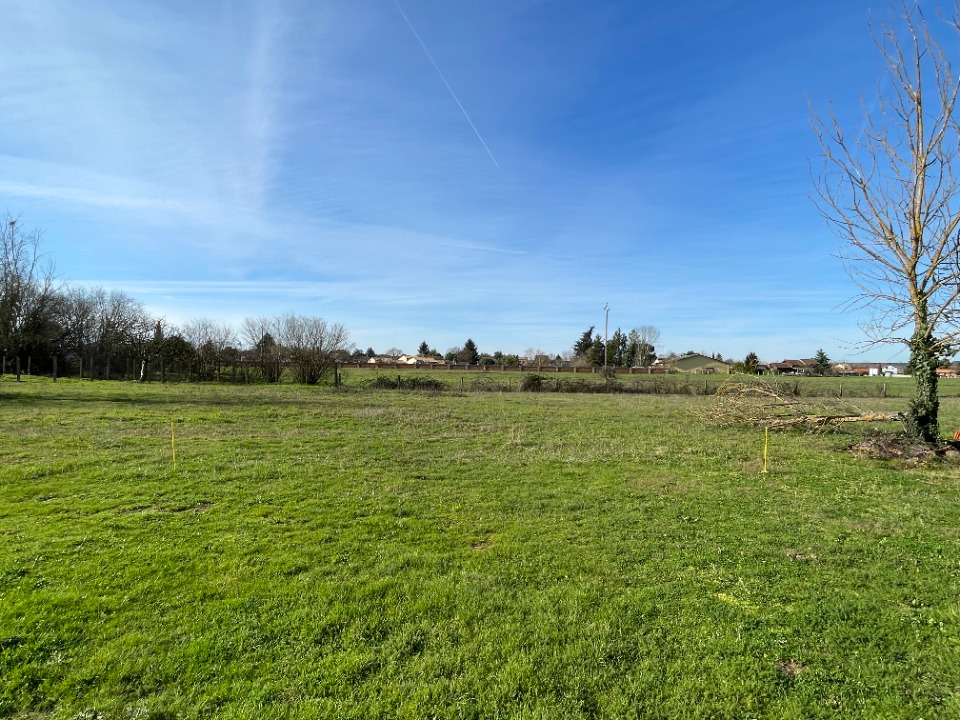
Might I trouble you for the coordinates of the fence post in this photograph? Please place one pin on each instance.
(54, 368)
(29, 364)
(18, 368)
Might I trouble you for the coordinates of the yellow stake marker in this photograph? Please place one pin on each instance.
(766, 445)
(173, 445)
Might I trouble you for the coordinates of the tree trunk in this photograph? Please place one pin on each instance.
(921, 422)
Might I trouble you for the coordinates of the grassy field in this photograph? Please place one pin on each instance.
(677, 383)
(368, 554)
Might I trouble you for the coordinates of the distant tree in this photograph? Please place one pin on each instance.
(536, 356)
(104, 329)
(159, 343)
(394, 352)
(469, 353)
(823, 362)
(223, 340)
(424, 349)
(582, 347)
(77, 319)
(595, 354)
(617, 349)
(209, 339)
(641, 343)
(258, 332)
(751, 364)
(370, 353)
(311, 344)
(508, 359)
(175, 353)
(28, 291)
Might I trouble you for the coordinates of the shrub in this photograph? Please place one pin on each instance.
(532, 383)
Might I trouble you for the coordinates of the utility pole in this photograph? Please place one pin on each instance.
(606, 327)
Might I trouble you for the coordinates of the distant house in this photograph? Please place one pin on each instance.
(843, 368)
(418, 360)
(848, 369)
(795, 367)
(695, 363)
(946, 373)
(871, 369)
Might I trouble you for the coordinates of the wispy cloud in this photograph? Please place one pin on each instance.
(263, 102)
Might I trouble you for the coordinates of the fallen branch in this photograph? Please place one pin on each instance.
(762, 403)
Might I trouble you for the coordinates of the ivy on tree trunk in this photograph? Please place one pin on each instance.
(921, 423)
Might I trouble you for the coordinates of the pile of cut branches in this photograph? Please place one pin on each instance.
(766, 403)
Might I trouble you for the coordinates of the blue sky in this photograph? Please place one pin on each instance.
(530, 162)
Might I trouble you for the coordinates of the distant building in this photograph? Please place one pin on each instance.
(695, 363)
(795, 367)
(418, 360)
(871, 369)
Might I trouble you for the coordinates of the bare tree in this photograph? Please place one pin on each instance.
(198, 334)
(28, 290)
(537, 356)
(260, 335)
(77, 318)
(210, 341)
(641, 345)
(891, 193)
(102, 327)
(311, 345)
(125, 328)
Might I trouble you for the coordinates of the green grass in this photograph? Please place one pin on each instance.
(494, 379)
(477, 555)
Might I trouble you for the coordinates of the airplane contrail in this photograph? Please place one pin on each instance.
(450, 89)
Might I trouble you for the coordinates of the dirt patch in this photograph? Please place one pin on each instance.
(896, 447)
(156, 509)
(199, 507)
(483, 543)
(790, 668)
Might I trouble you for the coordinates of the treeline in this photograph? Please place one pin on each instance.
(635, 348)
(99, 333)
